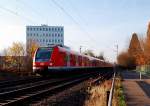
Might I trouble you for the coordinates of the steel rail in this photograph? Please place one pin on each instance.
(111, 91)
(27, 94)
(38, 92)
(19, 81)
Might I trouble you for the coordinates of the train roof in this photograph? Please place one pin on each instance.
(61, 48)
(76, 53)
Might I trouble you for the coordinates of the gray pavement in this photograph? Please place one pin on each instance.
(137, 92)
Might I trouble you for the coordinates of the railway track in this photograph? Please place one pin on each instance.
(28, 92)
(16, 82)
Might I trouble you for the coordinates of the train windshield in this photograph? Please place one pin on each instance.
(43, 54)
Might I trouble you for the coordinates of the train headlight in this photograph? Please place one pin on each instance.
(50, 64)
(41, 64)
(33, 64)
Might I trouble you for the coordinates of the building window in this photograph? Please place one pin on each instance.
(46, 40)
(55, 40)
(31, 34)
(49, 34)
(55, 35)
(55, 29)
(52, 29)
(43, 29)
(46, 29)
(27, 29)
(58, 34)
(40, 29)
(37, 29)
(46, 34)
(52, 35)
(49, 29)
(43, 40)
(61, 29)
(37, 34)
(61, 35)
(43, 34)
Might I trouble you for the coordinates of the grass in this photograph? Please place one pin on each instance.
(119, 99)
(98, 94)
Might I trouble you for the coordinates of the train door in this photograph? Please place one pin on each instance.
(68, 59)
(77, 60)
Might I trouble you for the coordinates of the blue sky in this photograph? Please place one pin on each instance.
(97, 25)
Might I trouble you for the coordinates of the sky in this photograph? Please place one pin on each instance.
(97, 25)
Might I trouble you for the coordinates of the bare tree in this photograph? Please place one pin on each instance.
(17, 52)
(6, 60)
(101, 56)
(31, 48)
(89, 53)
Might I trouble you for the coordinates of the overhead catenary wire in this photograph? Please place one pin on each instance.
(35, 11)
(82, 19)
(16, 14)
(76, 22)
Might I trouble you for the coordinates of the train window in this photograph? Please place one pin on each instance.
(43, 54)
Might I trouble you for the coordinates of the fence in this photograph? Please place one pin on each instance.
(144, 69)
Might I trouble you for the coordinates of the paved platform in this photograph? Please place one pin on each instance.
(137, 92)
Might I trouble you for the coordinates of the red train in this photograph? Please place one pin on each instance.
(57, 59)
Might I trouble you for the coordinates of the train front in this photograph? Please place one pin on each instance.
(41, 60)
